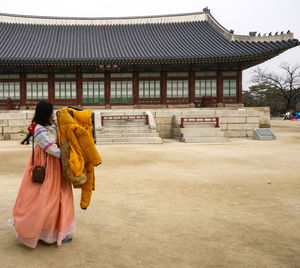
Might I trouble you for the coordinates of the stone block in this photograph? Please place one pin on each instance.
(3, 123)
(253, 120)
(223, 126)
(18, 122)
(167, 113)
(17, 136)
(29, 114)
(163, 120)
(176, 131)
(11, 115)
(235, 133)
(121, 107)
(172, 112)
(97, 120)
(164, 127)
(244, 112)
(1, 137)
(249, 133)
(14, 130)
(165, 134)
(241, 126)
(6, 136)
(239, 112)
(202, 113)
(179, 106)
(224, 113)
(239, 119)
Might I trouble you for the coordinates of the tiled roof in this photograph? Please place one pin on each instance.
(185, 41)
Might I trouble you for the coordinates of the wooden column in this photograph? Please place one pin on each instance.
(135, 88)
(22, 89)
(240, 88)
(163, 87)
(192, 87)
(79, 88)
(219, 87)
(51, 88)
(107, 88)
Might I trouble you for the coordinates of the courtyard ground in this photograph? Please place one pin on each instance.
(175, 205)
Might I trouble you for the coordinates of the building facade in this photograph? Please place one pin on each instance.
(161, 61)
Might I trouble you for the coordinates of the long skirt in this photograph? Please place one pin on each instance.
(44, 211)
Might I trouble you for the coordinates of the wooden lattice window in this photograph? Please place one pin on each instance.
(207, 87)
(65, 86)
(36, 86)
(229, 87)
(121, 87)
(9, 86)
(149, 85)
(93, 88)
(177, 85)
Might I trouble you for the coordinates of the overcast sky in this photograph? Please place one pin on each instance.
(263, 16)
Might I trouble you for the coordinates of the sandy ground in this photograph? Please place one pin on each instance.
(175, 205)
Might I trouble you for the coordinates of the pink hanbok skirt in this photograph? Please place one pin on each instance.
(44, 211)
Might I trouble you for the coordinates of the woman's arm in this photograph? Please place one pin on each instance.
(41, 137)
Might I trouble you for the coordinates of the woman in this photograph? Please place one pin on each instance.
(44, 211)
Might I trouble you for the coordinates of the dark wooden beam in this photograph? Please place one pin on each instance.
(192, 87)
(51, 88)
(79, 88)
(22, 89)
(107, 88)
(219, 87)
(135, 89)
(163, 87)
(240, 87)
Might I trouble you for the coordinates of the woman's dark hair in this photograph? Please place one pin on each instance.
(43, 112)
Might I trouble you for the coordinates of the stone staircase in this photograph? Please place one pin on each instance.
(127, 129)
(198, 132)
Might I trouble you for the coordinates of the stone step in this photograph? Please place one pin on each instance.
(133, 140)
(126, 126)
(204, 134)
(108, 123)
(121, 131)
(204, 139)
(198, 125)
(120, 135)
(126, 142)
(210, 129)
(185, 124)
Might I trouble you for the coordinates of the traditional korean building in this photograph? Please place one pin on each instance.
(162, 61)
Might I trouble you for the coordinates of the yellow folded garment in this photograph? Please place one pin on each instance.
(75, 128)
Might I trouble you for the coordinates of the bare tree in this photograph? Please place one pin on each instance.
(287, 83)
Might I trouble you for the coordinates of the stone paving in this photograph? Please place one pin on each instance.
(175, 205)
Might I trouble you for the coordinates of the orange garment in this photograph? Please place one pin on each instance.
(76, 127)
(44, 211)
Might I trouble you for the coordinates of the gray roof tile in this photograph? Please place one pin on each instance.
(150, 42)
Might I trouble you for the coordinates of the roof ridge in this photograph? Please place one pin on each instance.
(53, 20)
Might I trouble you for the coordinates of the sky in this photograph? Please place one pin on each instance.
(242, 16)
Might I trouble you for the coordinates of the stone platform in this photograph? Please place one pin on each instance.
(234, 122)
